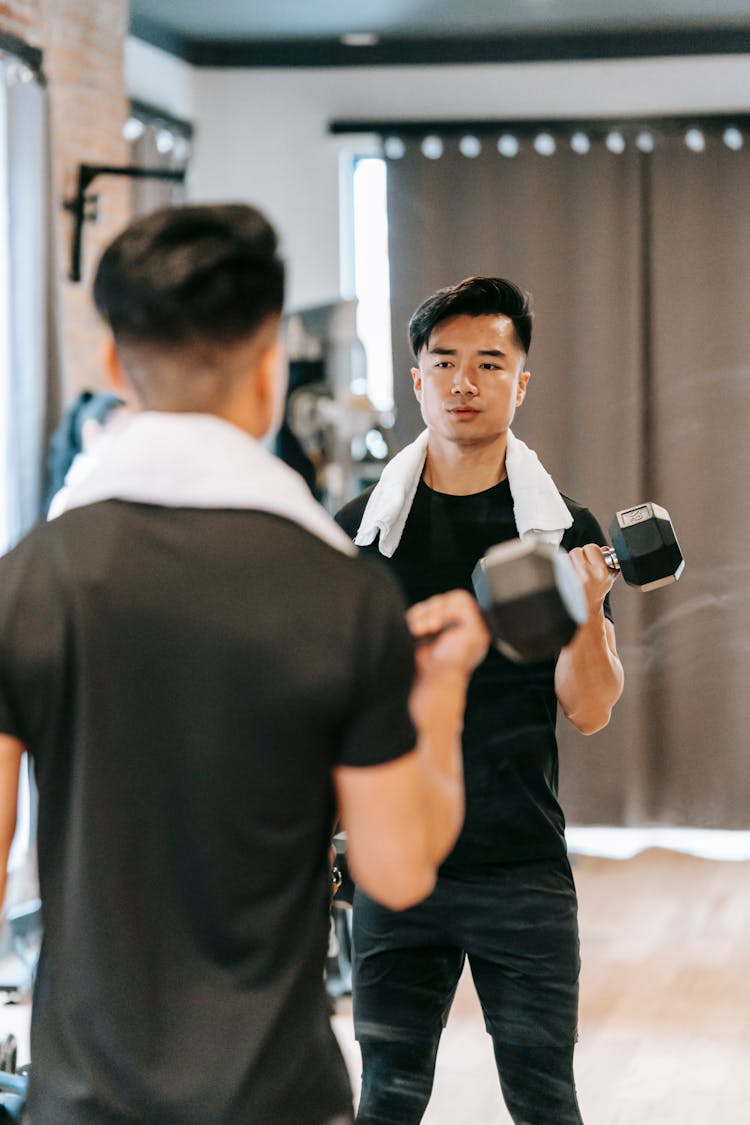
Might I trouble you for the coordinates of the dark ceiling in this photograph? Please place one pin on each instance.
(318, 32)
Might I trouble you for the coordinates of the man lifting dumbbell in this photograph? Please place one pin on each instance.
(505, 897)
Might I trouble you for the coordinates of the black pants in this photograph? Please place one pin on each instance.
(517, 925)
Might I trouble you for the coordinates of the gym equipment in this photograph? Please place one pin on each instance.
(339, 963)
(644, 547)
(531, 595)
(12, 1083)
(24, 923)
(345, 891)
(8, 1054)
(332, 433)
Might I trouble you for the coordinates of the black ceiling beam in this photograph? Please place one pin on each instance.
(158, 35)
(512, 48)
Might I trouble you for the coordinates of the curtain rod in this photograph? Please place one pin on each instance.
(527, 126)
(31, 56)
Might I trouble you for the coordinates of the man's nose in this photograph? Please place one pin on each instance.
(462, 382)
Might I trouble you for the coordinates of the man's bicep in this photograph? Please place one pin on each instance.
(587, 529)
(376, 796)
(379, 810)
(12, 751)
(378, 724)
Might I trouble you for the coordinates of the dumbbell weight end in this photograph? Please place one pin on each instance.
(644, 547)
(531, 597)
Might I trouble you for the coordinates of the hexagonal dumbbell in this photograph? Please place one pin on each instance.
(644, 547)
(531, 596)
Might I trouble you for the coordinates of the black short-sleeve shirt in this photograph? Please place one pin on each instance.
(509, 743)
(186, 681)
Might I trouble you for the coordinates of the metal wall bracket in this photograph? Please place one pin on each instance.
(83, 206)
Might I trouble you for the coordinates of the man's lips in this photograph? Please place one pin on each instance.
(462, 410)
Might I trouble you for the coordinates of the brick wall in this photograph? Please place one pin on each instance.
(83, 46)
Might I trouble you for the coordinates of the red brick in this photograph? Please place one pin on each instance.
(83, 58)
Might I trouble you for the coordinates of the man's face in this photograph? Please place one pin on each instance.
(471, 378)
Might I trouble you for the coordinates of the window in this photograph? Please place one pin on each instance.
(371, 284)
(22, 343)
(4, 312)
(29, 374)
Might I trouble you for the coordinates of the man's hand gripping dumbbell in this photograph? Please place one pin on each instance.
(531, 593)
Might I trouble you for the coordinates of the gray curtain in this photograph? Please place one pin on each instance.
(699, 636)
(32, 352)
(639, 267)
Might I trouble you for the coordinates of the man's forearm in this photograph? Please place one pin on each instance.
(11, 753)
(403, 817)
(437, 707)
(589, 676)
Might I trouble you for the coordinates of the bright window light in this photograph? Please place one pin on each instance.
(4, 318)
(371, 282)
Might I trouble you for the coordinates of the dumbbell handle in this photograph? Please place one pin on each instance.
(611, 559)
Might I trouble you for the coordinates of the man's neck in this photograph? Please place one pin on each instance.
(461, 470)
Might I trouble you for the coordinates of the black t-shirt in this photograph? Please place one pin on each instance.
(509, 744)
(185, 681)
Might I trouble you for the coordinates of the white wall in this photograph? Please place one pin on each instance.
(261, 135)
(160, 79)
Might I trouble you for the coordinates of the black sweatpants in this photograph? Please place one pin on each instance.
(517, 925)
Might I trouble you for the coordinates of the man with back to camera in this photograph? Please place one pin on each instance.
(505, 897)
(202, 673)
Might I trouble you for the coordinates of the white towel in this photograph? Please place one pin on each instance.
(537, 505)
(198, 461)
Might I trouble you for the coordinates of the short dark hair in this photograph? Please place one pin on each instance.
(475, 296)
(193, 275)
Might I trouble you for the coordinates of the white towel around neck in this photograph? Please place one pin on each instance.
(198, 461)
(538, 507)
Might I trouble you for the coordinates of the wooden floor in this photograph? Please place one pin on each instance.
(665, 1002)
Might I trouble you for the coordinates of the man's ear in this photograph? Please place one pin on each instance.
(523, 382)
(416, 377)
(271, 384)
(114, 370)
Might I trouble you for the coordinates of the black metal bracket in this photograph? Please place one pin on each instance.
(83, 206)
